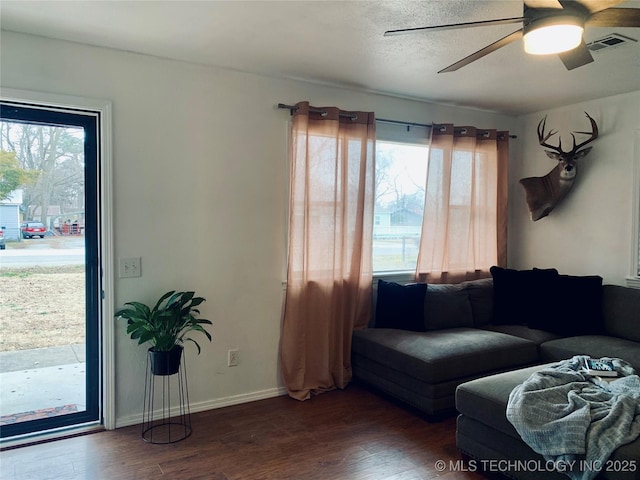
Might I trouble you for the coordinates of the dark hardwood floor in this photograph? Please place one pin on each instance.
(350, 434)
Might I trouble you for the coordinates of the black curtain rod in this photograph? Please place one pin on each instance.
(293, 108)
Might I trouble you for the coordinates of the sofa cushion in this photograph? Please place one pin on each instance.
(574, 307)
(431, 398)
(522, 331)
(447, 306)
(442, 355)
(400, 306)
(485, 399)
(621, 311)
(596, 346)
(481, 299)
(521, 296)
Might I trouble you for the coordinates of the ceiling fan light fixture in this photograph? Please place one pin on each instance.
(553, 35)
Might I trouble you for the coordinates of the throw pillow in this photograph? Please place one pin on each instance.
(521, 297)
(447, 306)
(400, 306)
(576, 307)
(481, 299)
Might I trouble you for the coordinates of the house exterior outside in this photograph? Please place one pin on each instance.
(396, 224)
(10, 215)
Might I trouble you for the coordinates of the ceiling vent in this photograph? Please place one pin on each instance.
(610, 41)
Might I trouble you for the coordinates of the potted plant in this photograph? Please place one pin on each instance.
(166, 327)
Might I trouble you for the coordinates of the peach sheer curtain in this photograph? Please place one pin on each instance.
(464, 230)
(329, 275)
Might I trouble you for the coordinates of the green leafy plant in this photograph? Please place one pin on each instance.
(167, 323)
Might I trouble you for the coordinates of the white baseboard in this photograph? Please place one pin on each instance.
(209, 405)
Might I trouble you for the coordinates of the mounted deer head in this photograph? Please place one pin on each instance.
(544, 193)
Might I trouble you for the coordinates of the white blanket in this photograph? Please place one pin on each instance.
(567, 416)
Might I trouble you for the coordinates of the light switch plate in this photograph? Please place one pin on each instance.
(129, 267)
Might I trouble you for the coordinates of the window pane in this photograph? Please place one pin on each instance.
(401, 171)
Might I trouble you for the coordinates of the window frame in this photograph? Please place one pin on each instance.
(102, 108)
(88, 123)
(409, 135)
(633, 280)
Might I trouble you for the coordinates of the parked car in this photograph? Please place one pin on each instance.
(32, 229)
(2, 245)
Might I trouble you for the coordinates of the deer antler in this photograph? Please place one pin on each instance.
(542, 138)
(593, 135)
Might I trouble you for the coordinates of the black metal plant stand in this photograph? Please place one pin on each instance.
(158, 424)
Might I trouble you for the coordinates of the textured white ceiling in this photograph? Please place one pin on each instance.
(342, 43)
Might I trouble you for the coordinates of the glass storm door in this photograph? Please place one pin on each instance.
(49, 268)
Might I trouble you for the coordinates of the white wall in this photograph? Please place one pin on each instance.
(590, 231)
(200, 193)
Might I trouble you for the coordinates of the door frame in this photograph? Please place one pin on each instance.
(103, 109)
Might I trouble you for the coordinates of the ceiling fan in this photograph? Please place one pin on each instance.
(548, 27)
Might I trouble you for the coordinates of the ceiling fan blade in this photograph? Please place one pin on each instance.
(453, 26)
(598, 5)
(512, 37)
(577, 57)
(542, 4)
(615, 17)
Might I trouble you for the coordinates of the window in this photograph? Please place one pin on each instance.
(401, 172)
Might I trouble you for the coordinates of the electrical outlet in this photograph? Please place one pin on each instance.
(129, 267)
(233, 358)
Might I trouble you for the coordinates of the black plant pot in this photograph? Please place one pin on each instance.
(166, 363)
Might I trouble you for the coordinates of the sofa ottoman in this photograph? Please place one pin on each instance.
(484, 434)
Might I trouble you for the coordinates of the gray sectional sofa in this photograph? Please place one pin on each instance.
(479, 339)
